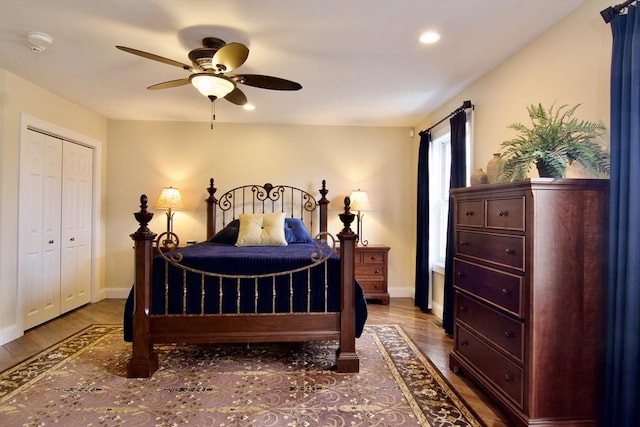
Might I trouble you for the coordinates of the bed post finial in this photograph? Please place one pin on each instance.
(211, 210)
(143, 217)
(347, 217)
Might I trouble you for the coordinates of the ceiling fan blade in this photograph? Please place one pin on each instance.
(170, 83)
(230, 56)
(155, 57)
(237, 97)
(266, 82)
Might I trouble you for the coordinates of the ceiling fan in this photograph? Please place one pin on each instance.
(210, 65)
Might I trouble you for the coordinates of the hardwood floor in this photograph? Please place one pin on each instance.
(423, 329)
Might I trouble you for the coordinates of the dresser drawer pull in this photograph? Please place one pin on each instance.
(508, 378)
(508, 334)
(463, 343)
(373, 258)
(376, 272)
(503, 213)
(509, 251)
(463, 309)
(505, 292)
(468, 213)
(460, 274)
(463, 243)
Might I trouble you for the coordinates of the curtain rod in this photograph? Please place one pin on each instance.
(612, 11)
(465, 105)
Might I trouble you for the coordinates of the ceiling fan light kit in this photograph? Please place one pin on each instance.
(212, 85)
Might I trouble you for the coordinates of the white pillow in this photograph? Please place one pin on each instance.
(261, 230)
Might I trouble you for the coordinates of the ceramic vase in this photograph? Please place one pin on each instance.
(494, 168)
(478, 177)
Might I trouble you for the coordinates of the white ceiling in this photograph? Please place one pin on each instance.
(359, 61)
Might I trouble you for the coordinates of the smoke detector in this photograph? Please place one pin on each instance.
(38, 42)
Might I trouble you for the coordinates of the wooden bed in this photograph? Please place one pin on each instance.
(149, 327)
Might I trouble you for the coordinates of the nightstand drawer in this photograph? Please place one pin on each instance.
(372, 285)
(372, 257)
(371, 271)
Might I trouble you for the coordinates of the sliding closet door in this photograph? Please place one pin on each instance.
(77, 191)
(39, 228)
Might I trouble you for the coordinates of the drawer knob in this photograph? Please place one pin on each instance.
(376, 272)
(463, 243)
(509, 251)
(463, 343)
(373, 257)
(505, 292)
(462, 308)
(503, 213)
(508, 378)
(468, 213)
(460, 274)
(508, 334)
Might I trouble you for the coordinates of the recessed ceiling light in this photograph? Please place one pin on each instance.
(429, 37)
(249, 107)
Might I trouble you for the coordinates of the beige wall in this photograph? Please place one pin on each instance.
(568, 64)
(17, 97)
(146, 156)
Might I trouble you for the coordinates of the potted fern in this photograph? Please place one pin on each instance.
(554, 141)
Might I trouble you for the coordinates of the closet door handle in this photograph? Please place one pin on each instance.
(51, 242)
(73, 239)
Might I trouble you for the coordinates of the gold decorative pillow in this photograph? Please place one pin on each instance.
(261, 230)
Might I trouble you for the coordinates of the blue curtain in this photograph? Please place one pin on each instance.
(423, 269)
(458, 179)
(622, 368)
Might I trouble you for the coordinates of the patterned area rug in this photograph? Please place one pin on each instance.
(82, 381)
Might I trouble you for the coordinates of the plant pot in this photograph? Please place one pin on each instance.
(544, 171)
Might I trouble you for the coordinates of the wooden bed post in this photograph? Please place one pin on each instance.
(347, 360)
(144, 360)
(324, 204)
(211, 210)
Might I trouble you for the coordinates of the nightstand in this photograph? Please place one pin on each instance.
(371, 271)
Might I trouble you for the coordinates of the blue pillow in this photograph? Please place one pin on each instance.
(229, 234)
(295, 231)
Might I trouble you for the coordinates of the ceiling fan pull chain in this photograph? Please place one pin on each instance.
(213, 113)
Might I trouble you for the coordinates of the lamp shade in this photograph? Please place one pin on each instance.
(169, 199)
(212, 85)
(359, 201)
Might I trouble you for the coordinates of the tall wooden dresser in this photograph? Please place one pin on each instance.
(529, 280)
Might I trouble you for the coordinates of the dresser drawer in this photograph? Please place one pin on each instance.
(470, 213)
(506, 214)
(504, 374)
(496, 287)
(499, 249)
(504, 332)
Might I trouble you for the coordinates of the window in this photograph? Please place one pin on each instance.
(439, 176)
